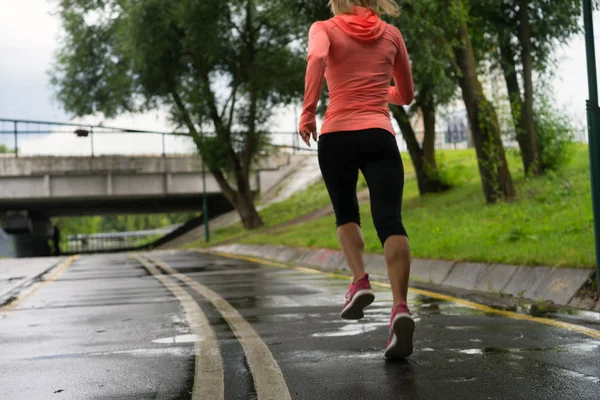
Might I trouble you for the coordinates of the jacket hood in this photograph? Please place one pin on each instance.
(362, 25)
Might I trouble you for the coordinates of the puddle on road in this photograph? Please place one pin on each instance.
(471, 351)
(146, 352)
(593, 379)
(590, 346)
(352, 329)
(374, 319)
(462, 328)
(544, 310)
(431, 306)
(133, 352)
(322, 356)
(575, 347)
(178, 339)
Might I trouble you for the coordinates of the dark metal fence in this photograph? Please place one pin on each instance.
(38, 138)
(23, 138)
(114, 241)
(444, 141)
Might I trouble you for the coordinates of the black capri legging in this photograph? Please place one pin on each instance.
(374, 152)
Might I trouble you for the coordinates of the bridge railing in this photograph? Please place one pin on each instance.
(114, 241)
(41, 138)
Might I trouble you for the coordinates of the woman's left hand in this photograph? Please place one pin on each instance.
(306, 134)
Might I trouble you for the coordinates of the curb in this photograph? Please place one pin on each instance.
(11, 294)
(556, 285)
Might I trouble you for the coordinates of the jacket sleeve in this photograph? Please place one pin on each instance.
(403, 92)
(318, 51)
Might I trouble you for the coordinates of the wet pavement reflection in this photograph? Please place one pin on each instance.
(460, 352)
(106, 329)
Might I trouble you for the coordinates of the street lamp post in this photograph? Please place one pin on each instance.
(205, 203)
(16, 140)
(593, 116)
(92, 140)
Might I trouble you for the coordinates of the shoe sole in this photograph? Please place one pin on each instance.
(402, 341)
(361, 300)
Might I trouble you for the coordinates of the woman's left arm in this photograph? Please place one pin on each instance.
(318, 51)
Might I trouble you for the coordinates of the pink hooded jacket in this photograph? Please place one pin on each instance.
(358, 54)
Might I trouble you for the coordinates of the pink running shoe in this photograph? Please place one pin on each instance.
(358, 297)
(402, 328)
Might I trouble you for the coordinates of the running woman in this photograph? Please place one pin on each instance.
(359, 55)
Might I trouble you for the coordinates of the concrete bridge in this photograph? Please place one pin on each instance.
(34, 189)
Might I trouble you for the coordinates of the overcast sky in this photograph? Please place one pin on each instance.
(29, 37)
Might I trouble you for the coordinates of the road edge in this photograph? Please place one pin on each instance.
(558, 286)
(12, 293)
(583, 330)
(27, 287)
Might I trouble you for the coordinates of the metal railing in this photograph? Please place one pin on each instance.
(114, 241)
(444, 141)
(39, 138)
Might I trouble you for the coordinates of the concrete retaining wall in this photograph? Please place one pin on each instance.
(49, 165)
(558, 285)
(32, 183)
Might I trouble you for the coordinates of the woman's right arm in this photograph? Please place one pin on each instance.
(403, 92)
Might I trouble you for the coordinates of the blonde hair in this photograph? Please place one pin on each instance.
(379, 7)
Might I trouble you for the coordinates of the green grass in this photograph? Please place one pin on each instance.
(550, 223)
(300, 203)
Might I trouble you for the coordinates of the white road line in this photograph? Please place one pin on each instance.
(268, 378)
(208, 376)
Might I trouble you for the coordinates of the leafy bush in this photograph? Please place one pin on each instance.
(452, 173)
(556, 134)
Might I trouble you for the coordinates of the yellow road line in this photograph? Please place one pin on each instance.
(510, 314)
(57, 272)
(268, 378)
(208, 375)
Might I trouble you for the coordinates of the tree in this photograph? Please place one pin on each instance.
(4, 149)
(434, 84)
(525, 34)
(495, 177)
(312, 10)
(220, 68)
(75, 225)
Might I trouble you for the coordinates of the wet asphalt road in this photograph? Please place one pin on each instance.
(107, 329)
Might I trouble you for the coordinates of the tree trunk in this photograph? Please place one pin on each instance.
(509, 70)
(428, 110)
(533, 164)
(241, 199)
(428, 180)
(495, 177)
(245, 201)
(251, 139)
(245, 207)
